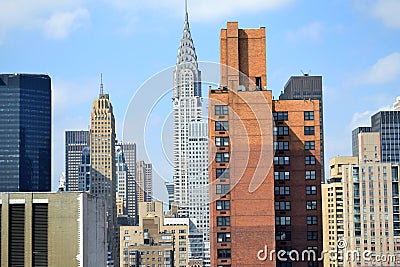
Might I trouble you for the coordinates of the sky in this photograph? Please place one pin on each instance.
(353, 44)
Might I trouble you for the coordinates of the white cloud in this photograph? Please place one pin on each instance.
(385, 70)
(22, 15)
(311, 32)
(201, 10)
(360, 119)
(388, 11)
(61, 24)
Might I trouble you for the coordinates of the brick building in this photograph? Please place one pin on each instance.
(265, 170)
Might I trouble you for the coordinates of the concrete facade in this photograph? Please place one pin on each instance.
(52, 229)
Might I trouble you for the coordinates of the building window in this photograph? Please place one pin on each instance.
(281, 176)
(223, 205)
(312, 235)
(281, 146)
(222, 141)
(283, 236)
(282, 190)
(281, 130)
(311, 189)
(221, 126)
(222, 172)
(310, 175)
(282, 205)
(221, 110)
(223, 221)
(223, 237)
(282, 220)
(309, 145)
(222, 157)
(310, 160)
(308, 130)
(281, 161)
(311, 205)
(308, 115)
(280, 116)
(222, 189)
(312, 220)
(224, 253)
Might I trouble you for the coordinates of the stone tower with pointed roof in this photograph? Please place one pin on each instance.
(187, 107)
(102, 166)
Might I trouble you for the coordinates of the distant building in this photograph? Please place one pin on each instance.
(144, 181)
(171, 241)
(361, 207)
(102, 166)
(129, 155)
(52, 229)
(386, 123)
(396, 105)
(25, 133)
(354, 137)
(84, 170)
(121, 180)
(61, 182)
(75, 143)
(170, 191)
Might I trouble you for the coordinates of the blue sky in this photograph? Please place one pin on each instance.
(353, 44)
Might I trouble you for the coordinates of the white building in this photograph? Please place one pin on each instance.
(187, 107)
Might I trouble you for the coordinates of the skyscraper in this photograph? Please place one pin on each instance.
(187, 107)
(75, 142)
(198, 175)
(25, 133)
(129, 152)
(102, 165)
(144, 181)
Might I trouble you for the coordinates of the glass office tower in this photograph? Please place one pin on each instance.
(25, 133)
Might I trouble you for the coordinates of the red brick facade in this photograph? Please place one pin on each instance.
(254, 183)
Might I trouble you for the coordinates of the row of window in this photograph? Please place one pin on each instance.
(285, 160)
(286, 206)
(283, 115)
(278, 130)
(284, 145)
(287, 236)
(285, 190)
(286, 220)
(278, 116)
(278, 175)
(284, 130)
(285, 175)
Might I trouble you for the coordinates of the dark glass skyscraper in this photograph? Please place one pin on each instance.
(387, 123)
(25, 133)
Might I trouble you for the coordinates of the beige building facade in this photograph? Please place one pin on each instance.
(156, 239)
(361, 209)
(52, 229)
(102, 166)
